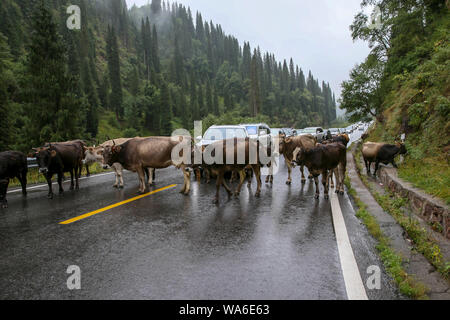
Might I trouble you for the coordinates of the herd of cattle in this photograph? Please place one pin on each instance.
(144, 155)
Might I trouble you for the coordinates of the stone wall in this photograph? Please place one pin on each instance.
(430, 209)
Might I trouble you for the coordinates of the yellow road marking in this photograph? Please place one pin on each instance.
(90, 214)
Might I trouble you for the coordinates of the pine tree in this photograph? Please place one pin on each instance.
(156, 6)
(53, 110)
(4, 105)
(255, 100)
(166, 108)
(114, 74)
(93, 101)
(155, 53)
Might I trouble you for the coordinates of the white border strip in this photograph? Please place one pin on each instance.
(352, 278)
(54, 183)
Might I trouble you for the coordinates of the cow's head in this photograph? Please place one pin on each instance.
(298, 156)
(110, 155)
(402, 148)
(92, 155)
(283, 142)
(44, 157)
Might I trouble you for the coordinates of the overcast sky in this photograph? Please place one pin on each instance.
(315, 33)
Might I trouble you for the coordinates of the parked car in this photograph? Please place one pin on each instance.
(334, 131)
(318, 132)
(260, 131)
(218, 133)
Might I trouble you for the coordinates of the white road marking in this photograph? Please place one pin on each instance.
(352, 278)
(46, 185)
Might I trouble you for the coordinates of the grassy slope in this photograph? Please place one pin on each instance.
(421, 100)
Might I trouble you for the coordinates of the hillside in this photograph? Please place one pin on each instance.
(138, 71)
(411, 91)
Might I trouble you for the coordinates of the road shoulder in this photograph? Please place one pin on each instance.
(417, 270)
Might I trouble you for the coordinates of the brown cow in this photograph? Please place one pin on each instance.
(287, 148)
(137, 154)
(321, 160)
(95, 154)
(381, 153)
(241, 147)
(81, 145)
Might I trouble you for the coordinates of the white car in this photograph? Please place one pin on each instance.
(219, 133)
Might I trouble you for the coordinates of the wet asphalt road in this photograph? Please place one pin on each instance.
(169, 246)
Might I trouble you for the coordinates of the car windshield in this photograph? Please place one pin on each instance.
(252, 130)
(224, 133)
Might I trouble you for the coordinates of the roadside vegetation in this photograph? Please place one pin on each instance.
(392, 261)
(404, 83)
(34, 177)
(422, 240)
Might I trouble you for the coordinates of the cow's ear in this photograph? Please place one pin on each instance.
(85, 148)
(53, 153)
(117, 149)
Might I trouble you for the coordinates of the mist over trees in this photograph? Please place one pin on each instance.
(138, 71)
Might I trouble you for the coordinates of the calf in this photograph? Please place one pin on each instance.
(57, 159)
(13, 164)
(381, 153)
(323, 159)
(343, 139)
(137, 154)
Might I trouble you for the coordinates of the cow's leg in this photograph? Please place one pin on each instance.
(325, 180)
(48, 177)
(316, 181)
(289, 166)
(233, 176)
(141, 175)
(242, 176)
(187, 181)
(377, 165)
(367, 166)
(3, 188)
(218, 185)
(77, 185)
(23, 181)
(60, 181)
(88, 174)
(151, 173)
(248, 174)
(302, 171)
(342, 169)
(208, 176)
(119, 172)
(331, 180)
(257, 171)
(72, 172)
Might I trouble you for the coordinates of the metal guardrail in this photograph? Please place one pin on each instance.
(31, 162)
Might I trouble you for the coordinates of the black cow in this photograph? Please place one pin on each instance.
(381, 153)
(324, 159)
(57, 159)
(13, 164)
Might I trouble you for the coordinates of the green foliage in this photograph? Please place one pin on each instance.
(149, 70)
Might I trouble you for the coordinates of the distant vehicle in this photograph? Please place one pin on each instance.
(318, 132)
(219, 133)
(300, 132)
(289, 132)
(256, 129)
(334, 131)
(260, 131)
